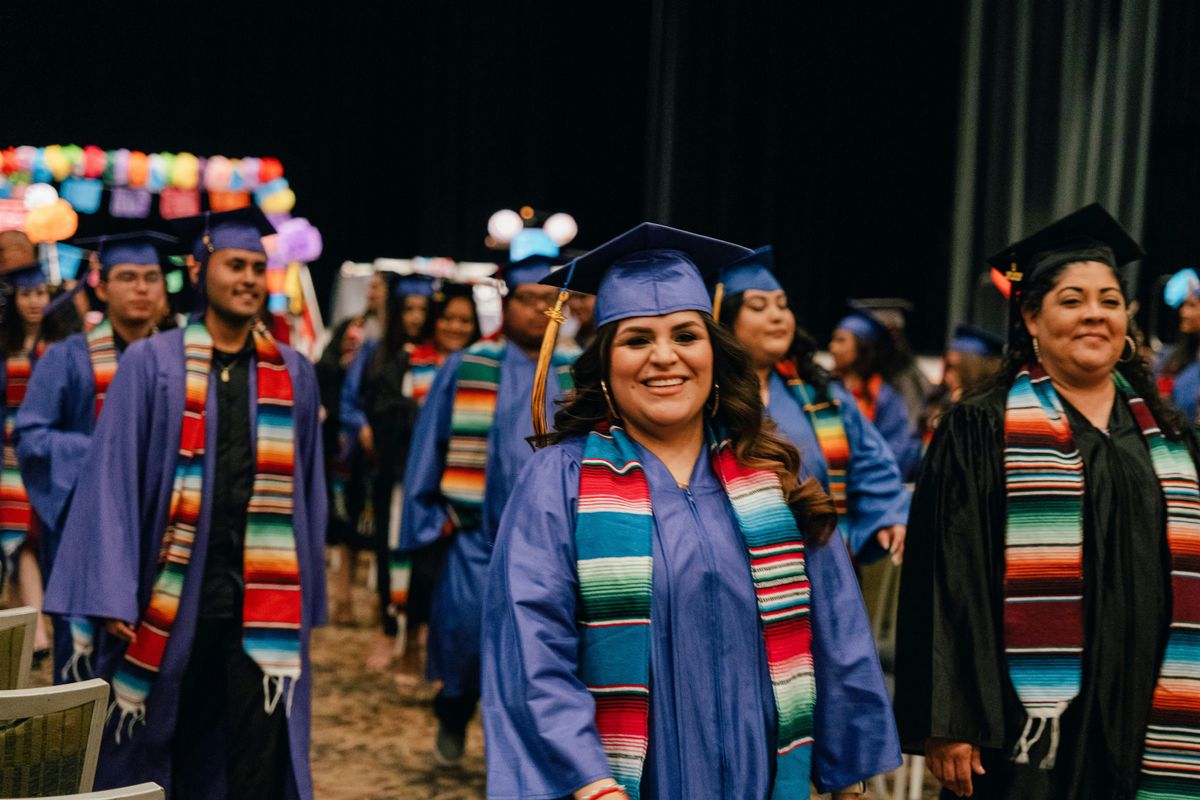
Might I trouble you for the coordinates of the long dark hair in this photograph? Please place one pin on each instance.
(802, 351)
(441, 300)
(1046, 269)
(1182, 354)
(755, 441)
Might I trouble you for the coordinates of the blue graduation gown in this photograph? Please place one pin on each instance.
(1186, 391)
(458, 595)
(114, 528)
(352, 415)
(892, 422)
(875, 495)
(712, 710)
(54, 430)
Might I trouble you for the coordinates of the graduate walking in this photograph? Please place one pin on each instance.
(668, 614)
(1049, 602)
(196, 540)
(466, 451)
(54, 425)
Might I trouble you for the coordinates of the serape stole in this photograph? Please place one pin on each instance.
(826, 419)
(614, 541)
(463, 480)
(271, 605)
(16, 514)
(423, 363)
(1043, 591)
(102, 352)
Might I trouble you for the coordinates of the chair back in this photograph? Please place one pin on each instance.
(50, 738)
(143, 791)
(16, 646)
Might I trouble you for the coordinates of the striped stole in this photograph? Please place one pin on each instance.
(423, 363)
(463, 480)
(271, 606)
(1043, 610)
(824, 416)
(102, 350)
(16, 514)
(614, 542)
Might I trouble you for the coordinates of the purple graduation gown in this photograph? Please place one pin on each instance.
(875, 496)
(54, 430)
(712, 710)
(458, 595)
(109, 555)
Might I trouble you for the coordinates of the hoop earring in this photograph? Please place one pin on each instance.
(1132, 350)
(716, 399)
(1037, 349)
(612, 412)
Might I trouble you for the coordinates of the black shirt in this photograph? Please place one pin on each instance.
(223, 584)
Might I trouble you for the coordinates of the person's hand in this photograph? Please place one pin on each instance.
(953, 763)
(366, 437)
(891, 539)
(120, 629)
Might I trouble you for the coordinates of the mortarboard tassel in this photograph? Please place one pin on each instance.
(718, 296)
(538, 408)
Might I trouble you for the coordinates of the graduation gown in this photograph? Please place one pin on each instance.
(712, 710)
(114, 529)
(951, 675)
(1185, 392)
(891, 419)
(875, 495)
(54, 429)
(456, 612)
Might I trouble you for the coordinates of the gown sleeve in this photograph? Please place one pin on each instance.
(876, 495)
(891, 418)
(1185, 390)
(96, 573)
(50, 455)
(949, 683)
(424, 508)
(539, 718)
(312, 459)
(855, 730)
(351, 411)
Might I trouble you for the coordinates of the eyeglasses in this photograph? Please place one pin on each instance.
(533, 299)
(130, 278)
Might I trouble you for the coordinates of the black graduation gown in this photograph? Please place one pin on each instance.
(951, 675)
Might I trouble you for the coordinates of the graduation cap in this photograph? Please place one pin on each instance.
(139, 247)
(1181, 286)
(970, 339)
(648, 271)
(414, 285)
(755, 271)
(863, 323)
(242, 228)
(27, 276)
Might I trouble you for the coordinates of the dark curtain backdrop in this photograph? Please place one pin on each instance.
(1061, 120)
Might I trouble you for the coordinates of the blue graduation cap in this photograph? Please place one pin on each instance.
(863, 324)
(29, 276)
(648, 271)
(755, 271)
(413, 285)
(970, 339)
(1181, 286)
(143, 248)
(242, 228)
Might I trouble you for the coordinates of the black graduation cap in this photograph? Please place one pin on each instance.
(1087, 227)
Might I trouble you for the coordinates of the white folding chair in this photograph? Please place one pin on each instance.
(16, 646)
(50, 738)
(143, 791)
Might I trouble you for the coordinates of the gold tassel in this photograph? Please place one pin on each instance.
(538, 402)
(718, 298)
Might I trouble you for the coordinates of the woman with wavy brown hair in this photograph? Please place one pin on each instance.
(662, 608)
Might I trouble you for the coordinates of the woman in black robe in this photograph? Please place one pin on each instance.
(955, 701)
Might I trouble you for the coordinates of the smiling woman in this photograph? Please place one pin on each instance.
(640, 542)
(1049, 564)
